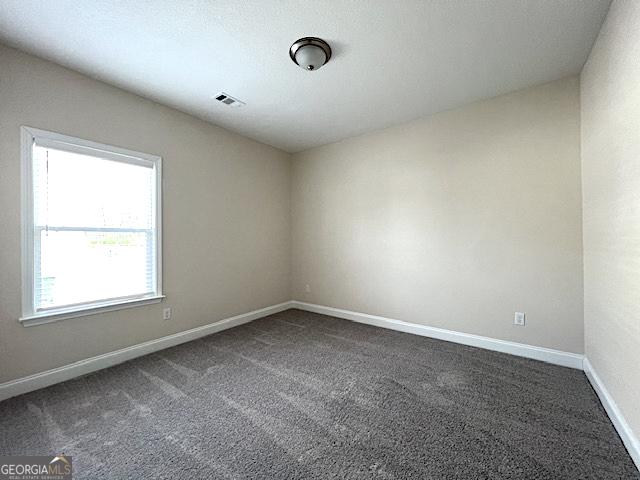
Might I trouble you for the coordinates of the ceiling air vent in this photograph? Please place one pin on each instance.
(229, 100)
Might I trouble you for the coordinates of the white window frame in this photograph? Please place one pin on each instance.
(29, 136)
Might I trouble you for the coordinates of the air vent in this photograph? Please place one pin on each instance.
(229, 100)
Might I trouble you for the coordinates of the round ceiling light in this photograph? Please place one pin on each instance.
(310, 53)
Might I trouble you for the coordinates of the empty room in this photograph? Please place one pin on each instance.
(353, 239)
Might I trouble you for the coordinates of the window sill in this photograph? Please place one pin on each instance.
(48, 317)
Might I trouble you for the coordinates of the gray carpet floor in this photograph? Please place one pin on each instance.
(302, 396)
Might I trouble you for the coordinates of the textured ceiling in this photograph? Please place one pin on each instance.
(393, 60)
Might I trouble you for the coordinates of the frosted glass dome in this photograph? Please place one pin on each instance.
(310, 57)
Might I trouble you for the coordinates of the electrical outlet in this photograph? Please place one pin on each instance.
(166, 313)
(518, 319)
(307, 288)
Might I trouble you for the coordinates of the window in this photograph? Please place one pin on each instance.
(91, 227)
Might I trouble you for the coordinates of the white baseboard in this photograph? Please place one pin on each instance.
(557, 357)
(624, 430)
(44, 379)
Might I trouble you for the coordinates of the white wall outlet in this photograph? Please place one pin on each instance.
(307, 288)
(518, 319)
(166, 313)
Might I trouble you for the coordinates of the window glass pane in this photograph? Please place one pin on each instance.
(94, 234)
(77, 190)
(79, 267)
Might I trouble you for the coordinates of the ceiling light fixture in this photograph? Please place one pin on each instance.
(310, 53)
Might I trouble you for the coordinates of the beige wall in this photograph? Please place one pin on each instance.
(226, 214)
(454, 221)
(610, 98)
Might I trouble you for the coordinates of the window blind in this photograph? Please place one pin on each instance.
(94, 228)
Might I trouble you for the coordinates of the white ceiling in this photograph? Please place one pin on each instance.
(394, 60)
